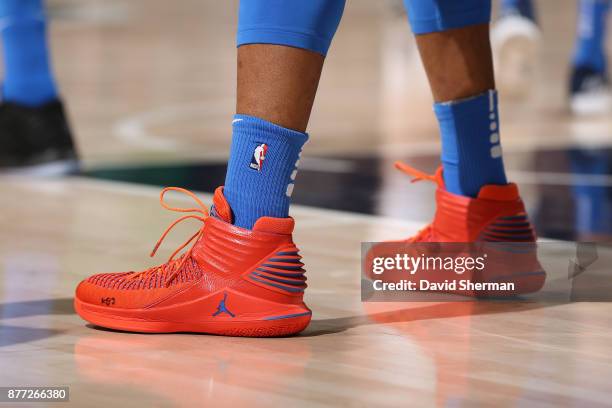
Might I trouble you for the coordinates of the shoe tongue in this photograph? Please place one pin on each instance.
(221, 208)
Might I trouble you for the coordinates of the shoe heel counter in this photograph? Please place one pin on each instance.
(281, 272)
(509, 228)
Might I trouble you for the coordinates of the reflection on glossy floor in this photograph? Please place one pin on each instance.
(422, 354)
(154, 82)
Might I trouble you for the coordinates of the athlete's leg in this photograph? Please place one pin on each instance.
(468, 52)
(475, 202)
(591, 202)
(282, 45)
(453, 39)
(252, 270)
(590, 37)
(33, 126)
(28, 78)
(278, 83)
(589, 83)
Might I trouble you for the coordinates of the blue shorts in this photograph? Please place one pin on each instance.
(307, 24)
(311, 24)
(428, 16)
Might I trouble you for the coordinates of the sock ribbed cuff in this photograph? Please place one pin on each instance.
(261, 169)
(471, 149)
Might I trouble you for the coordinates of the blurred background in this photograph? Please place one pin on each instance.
(150, 88)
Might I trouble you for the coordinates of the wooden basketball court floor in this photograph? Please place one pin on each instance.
(149, 81)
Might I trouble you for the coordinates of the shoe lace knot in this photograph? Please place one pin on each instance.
(417, 175)
(173, 265)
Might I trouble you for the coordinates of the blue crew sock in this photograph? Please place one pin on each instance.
(261, 170)
(522, 7)
(589, 50)
(471, 152)
(28, 79)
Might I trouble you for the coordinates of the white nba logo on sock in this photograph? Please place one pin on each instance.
(259, 155)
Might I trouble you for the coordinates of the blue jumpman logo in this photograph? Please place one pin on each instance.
(222, 308)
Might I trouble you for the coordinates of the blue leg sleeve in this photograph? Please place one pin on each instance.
(428, 16)
(23, 29)
(590, 48)
(306, 24)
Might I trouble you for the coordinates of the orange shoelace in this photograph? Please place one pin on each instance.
(175, 265)
(418, 175)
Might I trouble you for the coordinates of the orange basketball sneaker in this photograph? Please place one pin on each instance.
(495, 222)
(232, 281)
